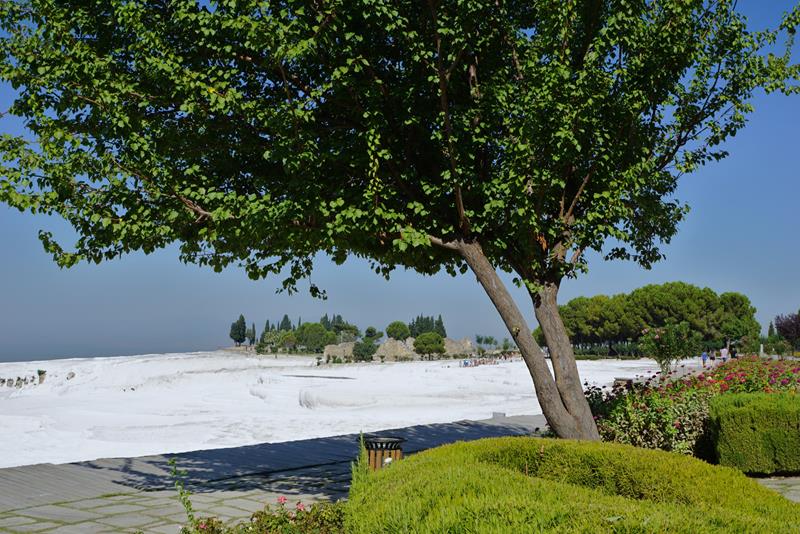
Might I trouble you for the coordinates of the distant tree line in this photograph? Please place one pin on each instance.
(613, 325)
(423, 324)
(783, 335)
(312, 337)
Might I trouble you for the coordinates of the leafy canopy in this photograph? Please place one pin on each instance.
(717, 318)
(262, 133)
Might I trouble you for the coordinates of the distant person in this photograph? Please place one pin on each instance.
(704, 357)
(723, 354)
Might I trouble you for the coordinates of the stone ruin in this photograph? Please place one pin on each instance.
(341, 350)
(393, 350)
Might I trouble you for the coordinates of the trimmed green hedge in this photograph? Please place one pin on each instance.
(757, 432)
(543, 485)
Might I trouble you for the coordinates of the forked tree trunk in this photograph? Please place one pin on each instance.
(562, 400)
(562, 356)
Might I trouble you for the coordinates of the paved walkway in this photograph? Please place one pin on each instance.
(137, 494)
(789, 487)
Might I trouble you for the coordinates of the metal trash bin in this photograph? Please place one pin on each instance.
(383, 450)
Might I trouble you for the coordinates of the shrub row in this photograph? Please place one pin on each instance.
(757, 432)
(541, 485)
(672, 415)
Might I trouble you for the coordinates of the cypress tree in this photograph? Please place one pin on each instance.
(325, 322)
(286, 323)
(439, 327)
(251, 335)
(238, 331)
(233, 335)
(771, 330)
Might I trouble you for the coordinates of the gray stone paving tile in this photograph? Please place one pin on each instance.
(793, 495)
(88, 504)
(122, 497)
(164, 511)
(38, 526)
(14, 520)
(62, 514)
(207, 498)
(121, 508)
(161, 502)
(80, 528)
(133, 520)
(164, 529)
(228, 512)
(244, 504)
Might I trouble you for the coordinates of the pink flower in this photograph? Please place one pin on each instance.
(281, 500)
(202, 525)
(300, 507)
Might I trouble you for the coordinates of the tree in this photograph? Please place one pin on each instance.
(287, 339)
(478, 136)
(398, 330)
(671, 343)
(326, 322)
(788, 327)
(312, 336)
(610, 321)
(345, 331)
(421, 324)
(429, 343)
(738, 323)
(286, 324)
(269, 342)
(251, 335)
(364, 350)
(238, 331)
(771, 330)
(438, 327)
(372, 334)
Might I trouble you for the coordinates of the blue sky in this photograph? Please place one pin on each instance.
(742, 235)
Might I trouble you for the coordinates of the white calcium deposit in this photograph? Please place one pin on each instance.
(139, 405)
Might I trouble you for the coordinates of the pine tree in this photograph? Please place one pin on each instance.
(286, 323)
(771, 330)
(439, 327)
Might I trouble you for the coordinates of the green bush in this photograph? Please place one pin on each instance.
(429, 343)
(542, 485)
(757, 432)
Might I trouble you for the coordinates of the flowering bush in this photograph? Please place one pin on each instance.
(672, 415)
(654, 418)
(321, 518)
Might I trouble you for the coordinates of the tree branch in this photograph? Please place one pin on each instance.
(449, 245)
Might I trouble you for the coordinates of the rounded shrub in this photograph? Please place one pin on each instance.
(543, 485)
(757, 432)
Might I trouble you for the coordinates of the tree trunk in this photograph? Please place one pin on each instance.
(568, 381)
(560, 417)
